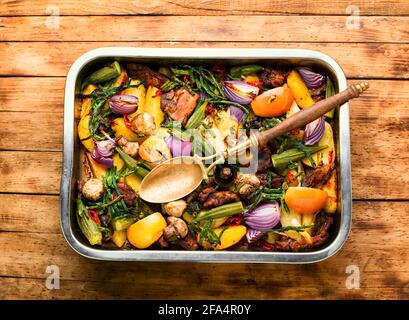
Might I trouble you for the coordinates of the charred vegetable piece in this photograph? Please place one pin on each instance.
(104, 74)
(225, 174)
(88, 226)
(291, 155)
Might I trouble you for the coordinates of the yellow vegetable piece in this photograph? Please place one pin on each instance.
(215, 223)
(132, 180)
(120, 129)
(154, 150)
(331, 188)
(146, 231)
(327, 155)
(119, 238)
(230, 237)
(121, 80)
(299, 89)
(140, 93)
(86, 103)
(152, 105)
(226, 124)
(251, 78)
(84, 133)
(98, 170)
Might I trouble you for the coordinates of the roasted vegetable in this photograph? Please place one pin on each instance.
(327, 154)
(85, 134)
(331, 189)
(89, 227)
(152, 105)
(299, 90)
(228, 237)
(104, 74)
(146, 231)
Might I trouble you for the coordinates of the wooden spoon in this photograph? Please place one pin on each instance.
(177, 177)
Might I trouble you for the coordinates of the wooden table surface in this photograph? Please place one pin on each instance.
(39, 40)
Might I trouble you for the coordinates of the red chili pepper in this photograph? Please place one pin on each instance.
(255, 83)
(210, 110)
(233, 221)
(94, 216)
(290, 177)
(158, 92)
(127, 121)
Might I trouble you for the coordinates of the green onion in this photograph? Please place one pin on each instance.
(292, 155)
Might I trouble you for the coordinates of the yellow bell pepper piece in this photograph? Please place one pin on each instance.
(120, 129)
(146, 231)
(299, 89)
(152, 105)
(230, 237)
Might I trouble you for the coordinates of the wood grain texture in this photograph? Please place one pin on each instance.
(30, 172)
(203, 7)
(383, 268)
(358, 60)
(206, 28)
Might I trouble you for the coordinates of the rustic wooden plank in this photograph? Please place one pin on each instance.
(32, 289)
(35, 131)
(29, 213)
(203, 7)
(32, 94)
(206, 28)
(375, 243)
(30, 172)
(363, 60)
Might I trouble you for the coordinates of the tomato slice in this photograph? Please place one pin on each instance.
(305, 200)
(273, 103)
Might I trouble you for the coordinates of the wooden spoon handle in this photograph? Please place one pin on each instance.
(312, 113)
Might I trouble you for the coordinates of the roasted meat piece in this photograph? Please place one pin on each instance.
(264, 159)
(318, 176)
(273, 77)
(211, 199)
(179, 104)
(143, 73)
(318, 93)
(127, 193)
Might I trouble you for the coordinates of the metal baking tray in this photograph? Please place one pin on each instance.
(155, 56)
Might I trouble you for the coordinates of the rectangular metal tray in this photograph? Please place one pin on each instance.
(155, 56)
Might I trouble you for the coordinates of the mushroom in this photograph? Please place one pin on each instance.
(93, 189)
(175, 208)
(176, 229)
(130, 148)
(247, 183)
(143, 123)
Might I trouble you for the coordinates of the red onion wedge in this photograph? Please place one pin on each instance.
(314, 131)
(103, 151)
(311, 78)
(237, 113)
(123, 104)
(253, 235)
(240, 91)
(263, 217)
(178, 147)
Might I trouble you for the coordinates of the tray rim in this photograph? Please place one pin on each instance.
(203, 256)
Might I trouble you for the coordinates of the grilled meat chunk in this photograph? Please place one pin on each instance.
(143, 73)
(318, 94)
(264, 159)
(321, 236)
(318, 176)
(188, 243)
(211, 199)
(179, 104)
(127, 193)
(273, 77)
